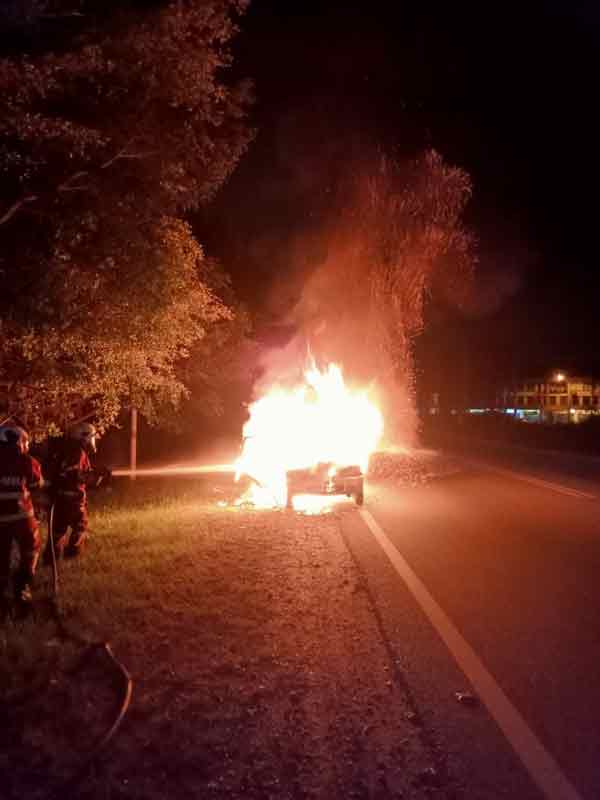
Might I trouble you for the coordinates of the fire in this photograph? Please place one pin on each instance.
(318, 422)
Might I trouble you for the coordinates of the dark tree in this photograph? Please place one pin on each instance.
(107, 136)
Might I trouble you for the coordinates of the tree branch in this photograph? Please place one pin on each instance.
(62, 16)
(67, 185)
(15, 207)
(124, 154)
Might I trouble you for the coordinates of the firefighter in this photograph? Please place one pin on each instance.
(20, 475)
(70, 474)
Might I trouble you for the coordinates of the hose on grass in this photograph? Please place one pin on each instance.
(104, 646)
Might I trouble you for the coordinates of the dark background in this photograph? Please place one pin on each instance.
(508, 91)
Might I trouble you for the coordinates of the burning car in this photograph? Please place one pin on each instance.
(309, 439)
(326, 479)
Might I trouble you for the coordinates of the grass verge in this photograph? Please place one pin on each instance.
(257, 663)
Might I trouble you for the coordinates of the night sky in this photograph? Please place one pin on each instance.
(508, 91)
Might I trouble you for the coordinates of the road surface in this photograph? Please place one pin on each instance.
(512, 568)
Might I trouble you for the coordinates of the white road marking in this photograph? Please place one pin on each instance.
(554, 487)
(538, 762)
(521, 476)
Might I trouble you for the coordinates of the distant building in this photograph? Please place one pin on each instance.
(559, 398)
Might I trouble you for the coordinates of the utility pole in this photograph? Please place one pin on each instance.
(133, 444)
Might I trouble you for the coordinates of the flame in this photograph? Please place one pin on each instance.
(320, 421)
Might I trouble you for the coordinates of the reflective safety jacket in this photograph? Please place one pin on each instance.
(70, 472)
(19, 475)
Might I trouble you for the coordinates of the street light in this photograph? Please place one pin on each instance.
(560, 377)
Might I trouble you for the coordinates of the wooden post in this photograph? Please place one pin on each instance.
(133, 443)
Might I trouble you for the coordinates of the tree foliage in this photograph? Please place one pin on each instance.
(396, 232)
(412, 237)
(105, 141)
(222, 363)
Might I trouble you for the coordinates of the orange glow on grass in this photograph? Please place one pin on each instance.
(320, 421)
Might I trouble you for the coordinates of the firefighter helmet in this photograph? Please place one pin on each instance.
(85, 433)
(14, 436)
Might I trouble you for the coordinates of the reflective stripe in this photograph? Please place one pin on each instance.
(70, 493)
(15, 517)
(11, 495)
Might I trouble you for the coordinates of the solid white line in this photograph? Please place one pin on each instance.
(538, 762)
(554, 487)
(520, 476)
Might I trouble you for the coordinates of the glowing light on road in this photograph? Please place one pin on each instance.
(320, 421)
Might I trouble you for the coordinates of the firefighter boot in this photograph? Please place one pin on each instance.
(25, 595)
(75, 546)
(23, 592)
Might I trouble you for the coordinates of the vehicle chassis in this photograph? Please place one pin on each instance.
(321, 480)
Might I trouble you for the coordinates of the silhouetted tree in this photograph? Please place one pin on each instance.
(105, 141)
(395, 230)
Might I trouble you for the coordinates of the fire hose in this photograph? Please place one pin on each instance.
(91, 646)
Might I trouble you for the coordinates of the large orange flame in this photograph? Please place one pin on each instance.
(321, 421)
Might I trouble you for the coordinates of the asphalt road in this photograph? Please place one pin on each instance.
(515, 566)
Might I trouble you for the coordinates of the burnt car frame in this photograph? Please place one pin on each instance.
(326, 479)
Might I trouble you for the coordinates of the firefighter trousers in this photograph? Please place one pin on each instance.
(71, 514)
(26, 534)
